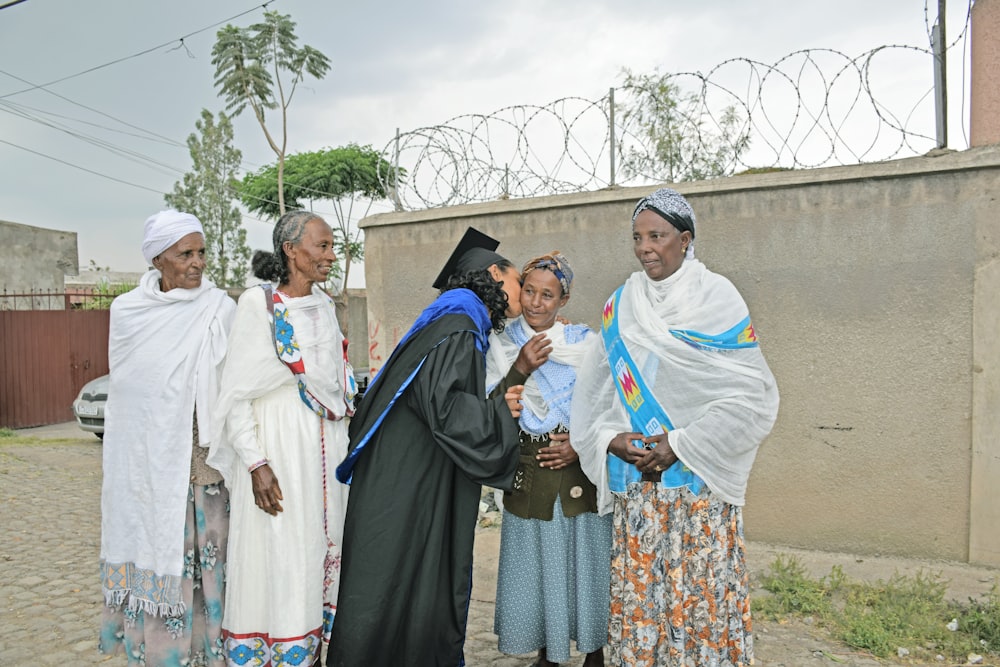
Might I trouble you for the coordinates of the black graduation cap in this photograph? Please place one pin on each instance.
(474, 252)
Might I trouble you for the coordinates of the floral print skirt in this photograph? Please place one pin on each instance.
(679, 584)
(195, 638)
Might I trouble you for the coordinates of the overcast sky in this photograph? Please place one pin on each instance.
(394, 64)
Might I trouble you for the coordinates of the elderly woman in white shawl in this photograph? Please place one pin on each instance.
(164, 512)
(552, 585)
(286, 389)
(667, 417)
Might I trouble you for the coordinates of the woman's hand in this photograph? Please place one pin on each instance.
(623, 446)
(658, 456)
(557, 455)
(266, 492)
(513, 398)
(533, 354)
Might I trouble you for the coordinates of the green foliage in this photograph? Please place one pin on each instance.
(249, 66)
(245, 57)
(7, 433)
(328, 174)
(105, 292)
(676, 128)
(792, 592)
(906, 612)
(339, 175)
(208, 192)
(982, 620)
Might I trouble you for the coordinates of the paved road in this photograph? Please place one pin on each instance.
(50, 594)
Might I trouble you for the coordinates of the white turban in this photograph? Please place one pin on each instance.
(165, 229)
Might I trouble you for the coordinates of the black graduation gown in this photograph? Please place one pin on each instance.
(407, 555)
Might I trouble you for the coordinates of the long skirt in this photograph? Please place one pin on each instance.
(284, 570)
(195, 637)
(679, 584)
(553, 583)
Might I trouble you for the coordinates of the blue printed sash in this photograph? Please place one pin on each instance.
(645, 413)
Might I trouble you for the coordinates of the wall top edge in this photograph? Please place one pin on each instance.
(937, 160)
(48, 230)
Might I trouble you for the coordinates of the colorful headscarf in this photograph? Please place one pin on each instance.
(165, 229)
(555, 262)
(672, 207)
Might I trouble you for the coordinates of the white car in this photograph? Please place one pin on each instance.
(88, 408)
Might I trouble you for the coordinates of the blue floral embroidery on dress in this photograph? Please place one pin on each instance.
(208, 556)
(293, 656)
(189, 564)
(174, 625)
(283, 333)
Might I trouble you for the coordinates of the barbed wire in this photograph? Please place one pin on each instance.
(811, 108)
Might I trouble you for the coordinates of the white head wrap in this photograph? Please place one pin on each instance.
(165, 229)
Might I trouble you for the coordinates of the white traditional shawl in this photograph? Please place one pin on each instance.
(164, 351)
(721, 402)
(503, 353)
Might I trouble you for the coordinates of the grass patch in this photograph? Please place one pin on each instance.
(908, 612)
(10, 437)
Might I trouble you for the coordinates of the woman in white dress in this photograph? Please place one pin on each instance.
(284, 400)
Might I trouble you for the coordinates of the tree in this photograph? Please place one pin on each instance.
(208, 192)
(340, 175)
(676, 143)
(249, 65)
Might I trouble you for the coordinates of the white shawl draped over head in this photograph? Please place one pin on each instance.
(165, 350)
(722, 402)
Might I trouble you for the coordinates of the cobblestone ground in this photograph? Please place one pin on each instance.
(50, 594)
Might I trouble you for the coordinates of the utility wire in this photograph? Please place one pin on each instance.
(84, 106)
(11, 3)
(76, 166)
(180, 41)
(21, 107)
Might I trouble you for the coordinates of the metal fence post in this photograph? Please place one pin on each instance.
(611, 132)
(395, 175)
(940, 49)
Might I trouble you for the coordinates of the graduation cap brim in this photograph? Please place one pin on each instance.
(474, 252)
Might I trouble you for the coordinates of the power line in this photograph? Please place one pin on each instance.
(180, 41)
(152, 137)
(76, 166)
(84, 106)
(11, 3)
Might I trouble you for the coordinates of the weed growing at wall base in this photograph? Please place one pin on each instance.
(905, 616)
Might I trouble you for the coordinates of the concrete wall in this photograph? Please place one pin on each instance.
(874, 291)
(33, 258)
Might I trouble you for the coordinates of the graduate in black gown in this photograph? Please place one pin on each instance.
(422, 442)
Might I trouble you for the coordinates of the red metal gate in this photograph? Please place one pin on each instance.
(46, 356)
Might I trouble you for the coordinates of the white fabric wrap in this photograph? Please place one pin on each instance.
(722, 403)
(252, 370)
(165, 351)
(165, 229)
(503, 353)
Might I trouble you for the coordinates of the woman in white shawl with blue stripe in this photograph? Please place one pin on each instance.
(667, 417)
